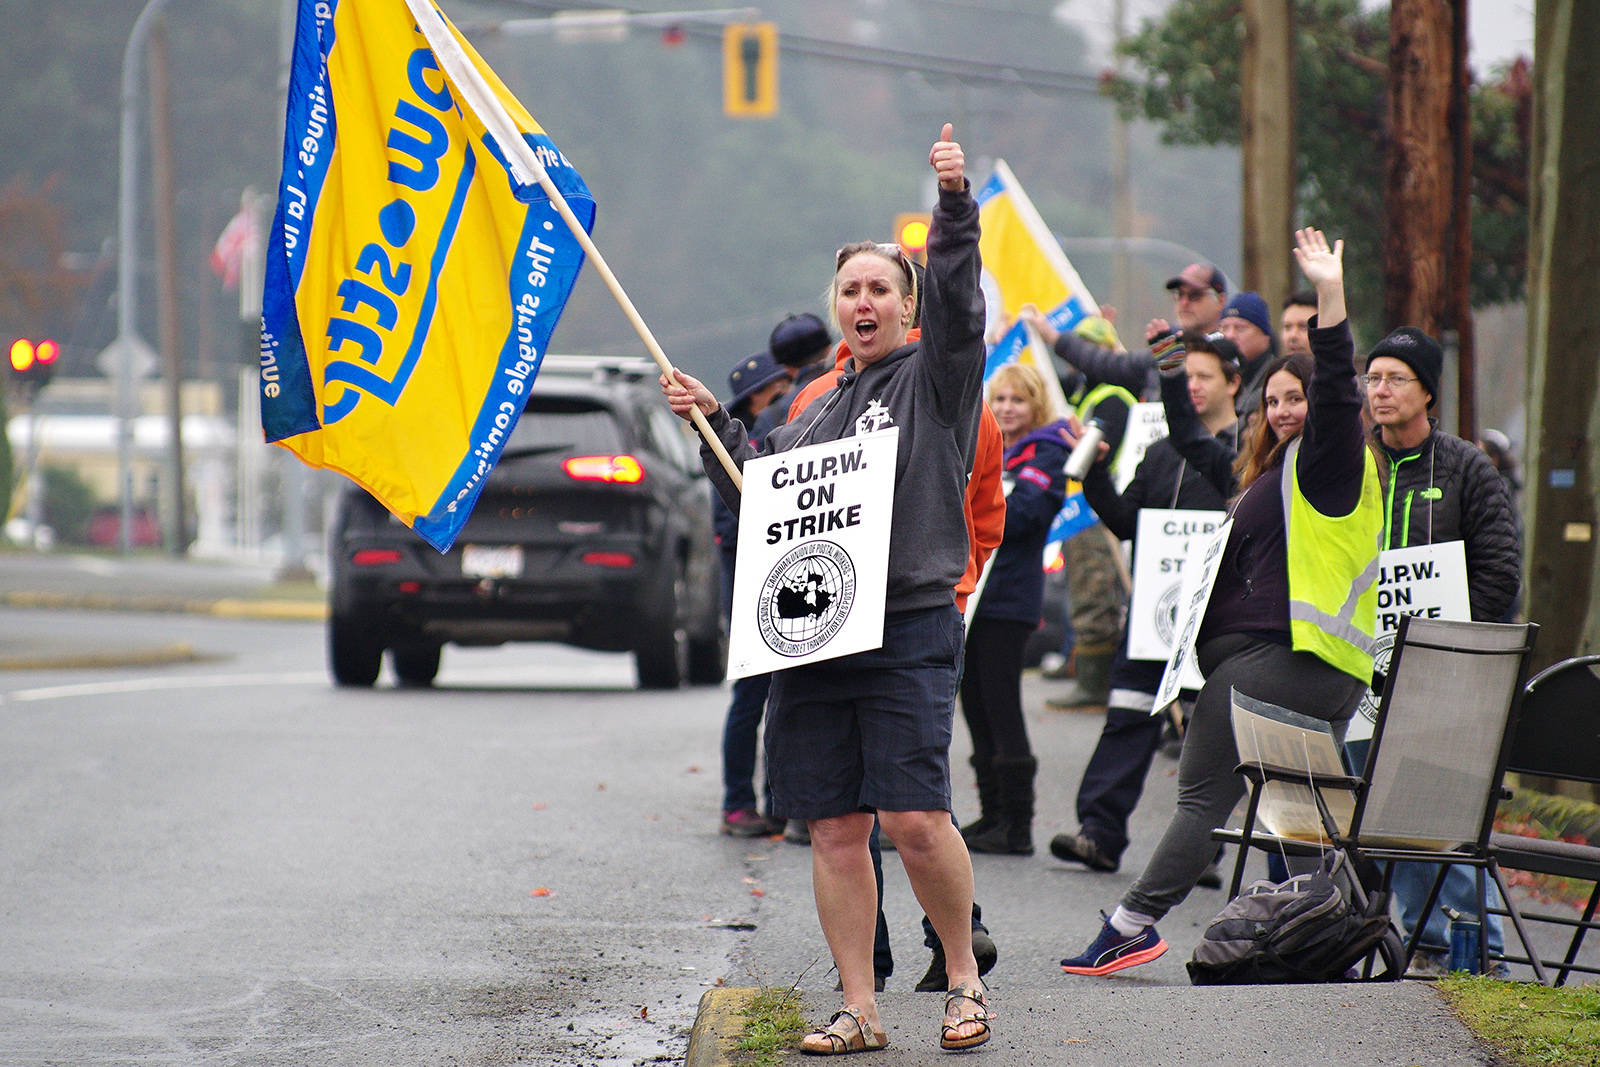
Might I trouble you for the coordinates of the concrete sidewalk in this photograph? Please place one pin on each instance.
(68, 581)
(1107, 1022)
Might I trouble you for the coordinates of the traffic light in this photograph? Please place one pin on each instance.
(32, 362)
(911, 233)
(750, 69)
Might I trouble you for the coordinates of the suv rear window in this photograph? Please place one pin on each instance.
(553, 424)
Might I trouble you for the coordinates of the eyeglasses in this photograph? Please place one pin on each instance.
(1191, 295)
(1393, 381)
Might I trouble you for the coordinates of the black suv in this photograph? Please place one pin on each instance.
(594, 530)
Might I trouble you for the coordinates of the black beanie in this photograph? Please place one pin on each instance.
(1419, 352)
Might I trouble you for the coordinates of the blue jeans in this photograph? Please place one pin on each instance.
(1113, 781)
(739, 729)
(1411, 882)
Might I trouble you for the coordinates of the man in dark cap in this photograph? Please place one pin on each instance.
(1441, 488)
(1198, 291)
(1246, 322)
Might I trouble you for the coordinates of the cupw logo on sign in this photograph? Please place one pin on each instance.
(807, 598)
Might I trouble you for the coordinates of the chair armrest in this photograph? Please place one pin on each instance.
(1267, 772)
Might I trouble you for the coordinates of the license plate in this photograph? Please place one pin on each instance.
(491, 561)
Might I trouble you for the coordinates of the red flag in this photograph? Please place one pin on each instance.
(241, 235)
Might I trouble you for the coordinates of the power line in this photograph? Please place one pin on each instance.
(929, 66)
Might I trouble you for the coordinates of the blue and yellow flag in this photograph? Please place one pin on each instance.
(412, 282)
(1023, 261)
(1024, 264)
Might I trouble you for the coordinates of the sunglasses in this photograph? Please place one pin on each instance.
(885, 249)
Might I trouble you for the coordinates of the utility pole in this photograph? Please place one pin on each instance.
(1121, 187)
(1460, 295)
(127, 346)
(1419, 180)
(1266, 122)
(1563, 320)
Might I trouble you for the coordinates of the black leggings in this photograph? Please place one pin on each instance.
(991, 689)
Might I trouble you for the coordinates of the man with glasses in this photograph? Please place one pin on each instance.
(1198, 292)
(1439, 488)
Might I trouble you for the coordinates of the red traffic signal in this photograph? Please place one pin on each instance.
(26, 355)
(33, 362)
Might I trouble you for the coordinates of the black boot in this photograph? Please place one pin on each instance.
(1013, 834)
(1092, 686)
(983, 950)
(988, 798)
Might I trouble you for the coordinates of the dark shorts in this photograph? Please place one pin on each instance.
(868, 731)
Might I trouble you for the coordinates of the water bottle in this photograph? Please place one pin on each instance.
(1086, 451)
(1465, 934)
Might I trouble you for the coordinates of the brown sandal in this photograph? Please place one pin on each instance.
(950, 1037)
(848, 1031)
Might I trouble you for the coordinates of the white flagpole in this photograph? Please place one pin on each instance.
(525, 166)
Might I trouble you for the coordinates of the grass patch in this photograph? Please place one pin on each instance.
(772, 1026)
(1527, 1023)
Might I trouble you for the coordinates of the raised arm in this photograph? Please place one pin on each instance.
(952, 306)
(1332, 458)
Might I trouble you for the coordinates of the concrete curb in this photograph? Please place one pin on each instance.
(718, 1026)
(150, 657)
(292, 610)
(226, 607)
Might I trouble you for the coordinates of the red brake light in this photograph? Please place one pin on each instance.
(624, 469)
(375, 557)
(608, 559)
(47, 352)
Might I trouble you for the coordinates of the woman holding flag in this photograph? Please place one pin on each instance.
(869, 733)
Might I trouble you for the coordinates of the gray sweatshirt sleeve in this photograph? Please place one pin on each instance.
(736, 439)
(952, 308)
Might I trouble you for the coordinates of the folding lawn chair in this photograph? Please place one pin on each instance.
(1558, 736)
(1433, 773)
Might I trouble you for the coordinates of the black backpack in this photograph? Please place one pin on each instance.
(1312, 928)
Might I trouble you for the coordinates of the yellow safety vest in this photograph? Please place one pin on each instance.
(1099, 393)
(1333, 571)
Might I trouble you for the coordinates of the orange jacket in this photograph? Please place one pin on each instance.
(984, 505)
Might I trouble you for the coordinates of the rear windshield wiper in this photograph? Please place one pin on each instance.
(533, 450)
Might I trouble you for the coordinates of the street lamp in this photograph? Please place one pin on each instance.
(128, 341)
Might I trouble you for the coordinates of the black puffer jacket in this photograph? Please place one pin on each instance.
(1446, 489)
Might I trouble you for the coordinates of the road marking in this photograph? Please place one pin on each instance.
(475, 676)
(146, 685)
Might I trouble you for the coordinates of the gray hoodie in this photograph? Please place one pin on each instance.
(931, 389)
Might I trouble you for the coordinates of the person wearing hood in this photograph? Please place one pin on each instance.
(866, 737)
(1008, 610)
